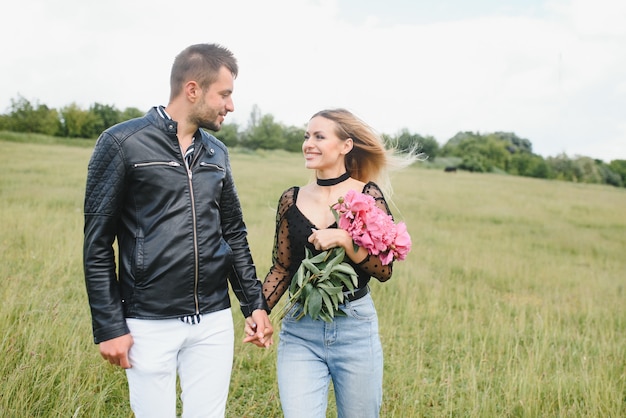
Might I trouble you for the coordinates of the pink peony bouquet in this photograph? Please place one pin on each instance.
(319, 283)
(371, 228)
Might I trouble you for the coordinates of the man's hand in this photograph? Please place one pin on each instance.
(115, 350)
(258, 329)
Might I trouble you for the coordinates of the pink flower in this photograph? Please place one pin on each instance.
(371, 228)
(403, 242)
(386, 258)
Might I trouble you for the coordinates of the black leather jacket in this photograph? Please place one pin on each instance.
(181, 236)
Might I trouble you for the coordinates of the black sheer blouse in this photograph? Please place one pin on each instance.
(292, 232)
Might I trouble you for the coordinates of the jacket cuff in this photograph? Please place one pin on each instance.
(109, 334)
(247, 309)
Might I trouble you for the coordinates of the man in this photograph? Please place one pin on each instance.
(163, 188)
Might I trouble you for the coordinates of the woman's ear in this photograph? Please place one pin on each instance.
(348, 144)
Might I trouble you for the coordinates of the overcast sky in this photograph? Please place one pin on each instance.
(552, 71)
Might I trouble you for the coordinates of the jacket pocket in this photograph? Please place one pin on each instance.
(214, 166)
(157, 163)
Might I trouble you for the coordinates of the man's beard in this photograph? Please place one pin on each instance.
(205, 117)
(210, 125)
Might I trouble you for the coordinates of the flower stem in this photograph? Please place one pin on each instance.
(294, 299)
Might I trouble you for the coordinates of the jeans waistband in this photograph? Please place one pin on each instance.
(358, 293)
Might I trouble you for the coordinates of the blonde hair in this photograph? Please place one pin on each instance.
(369, 159)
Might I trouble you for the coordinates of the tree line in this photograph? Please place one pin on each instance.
(503, 152)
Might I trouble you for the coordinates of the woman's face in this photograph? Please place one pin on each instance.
(322, 148)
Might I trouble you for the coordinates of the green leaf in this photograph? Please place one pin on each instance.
(306, 290)
(299, 277)
(328, 304)
(326, 317)
(344, 268)
(341, 297)
(314, 303)
(325, 276)
(318, 258)
(334, 300)
(330, 288)
(308, 264)
(347, 269)
(346, 281)
(339, 255)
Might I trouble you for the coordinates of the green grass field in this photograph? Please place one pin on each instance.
(510, 304)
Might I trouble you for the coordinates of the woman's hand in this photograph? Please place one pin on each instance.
(325, 239)
(258, 329)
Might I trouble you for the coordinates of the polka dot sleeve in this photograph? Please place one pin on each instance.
(277, 280)
(372, 265)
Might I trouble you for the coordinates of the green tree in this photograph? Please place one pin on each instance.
(565, 168)
(25, 116)
(131, 113)
(79, 123)
(562, 167)
(294, 137)
(619, 167)
(513, 142)
(588, 170)
(406, 141)
(474, 163)
(529, 165)
(479, 153)
(429, 146)
(228, 134)
(496, 151)
(265, 134)
(107, 116)
(609, 176)
(450, 147)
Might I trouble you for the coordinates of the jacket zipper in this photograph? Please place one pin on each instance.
(205, 164)
(195, 233)
(168, 163)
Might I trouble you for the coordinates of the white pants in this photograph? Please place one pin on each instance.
(202, 354)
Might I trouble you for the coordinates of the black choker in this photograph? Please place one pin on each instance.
(331, 182)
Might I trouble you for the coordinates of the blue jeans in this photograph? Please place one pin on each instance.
(347, 350)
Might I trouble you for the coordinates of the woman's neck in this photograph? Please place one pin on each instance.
(326, 182)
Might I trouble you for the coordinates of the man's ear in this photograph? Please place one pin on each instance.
(192, 91)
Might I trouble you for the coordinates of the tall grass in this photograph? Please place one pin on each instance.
(510, 304)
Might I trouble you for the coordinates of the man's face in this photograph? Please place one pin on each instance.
(215, 103)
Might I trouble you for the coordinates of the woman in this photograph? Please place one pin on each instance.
(346, 155)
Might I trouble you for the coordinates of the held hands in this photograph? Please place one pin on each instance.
(258, 329)
(115, 350)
